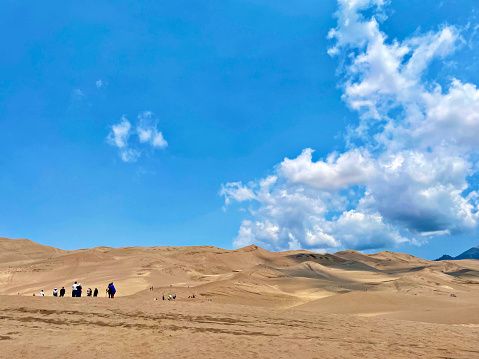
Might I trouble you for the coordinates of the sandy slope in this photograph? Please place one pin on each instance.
(347, 302)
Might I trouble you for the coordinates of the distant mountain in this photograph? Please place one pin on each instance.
(472, 253)
(445, 257)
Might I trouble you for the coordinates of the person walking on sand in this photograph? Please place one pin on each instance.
(79, 288)
(111, 290)
(62, 292)
(41, 293)
(74, 289)
(95, 292)
(55, 292)
(88, 292)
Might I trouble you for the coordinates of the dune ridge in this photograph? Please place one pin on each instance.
(248, 276)
(248, 302)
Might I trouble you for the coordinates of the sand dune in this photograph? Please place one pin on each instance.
(383, 289)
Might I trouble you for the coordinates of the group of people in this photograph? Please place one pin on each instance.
(77, 291)
(173, 297)
(61, 294)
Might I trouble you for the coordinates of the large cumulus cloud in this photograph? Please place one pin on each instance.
(403, 177)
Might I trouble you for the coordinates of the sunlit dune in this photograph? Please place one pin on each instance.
(290, 292)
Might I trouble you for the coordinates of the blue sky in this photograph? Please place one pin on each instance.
(211, 98)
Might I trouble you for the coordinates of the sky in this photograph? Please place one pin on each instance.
(321, 125)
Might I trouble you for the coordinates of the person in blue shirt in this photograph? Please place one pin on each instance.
(111, 290)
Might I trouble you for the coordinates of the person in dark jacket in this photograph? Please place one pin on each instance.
(79, 288)
(62, 292)
(111, 290)
(95, 292)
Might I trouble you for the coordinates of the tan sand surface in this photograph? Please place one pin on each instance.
(249, 303)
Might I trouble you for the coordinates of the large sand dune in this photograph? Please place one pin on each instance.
(256, 302)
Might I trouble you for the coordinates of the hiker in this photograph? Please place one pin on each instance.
(55, 292)
(163, 297)
(41, 293)
(88, 292)
(111, 290)
(95, 292)
(62, 292)
(74, 289)
(79, 288)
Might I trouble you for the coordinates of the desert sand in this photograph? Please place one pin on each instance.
(249, 303)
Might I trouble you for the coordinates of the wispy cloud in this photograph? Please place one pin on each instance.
(131, 140)
(147, 131)
(402, 176)
(77, 94)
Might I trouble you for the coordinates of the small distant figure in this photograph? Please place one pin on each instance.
(174, 297)
(55, 292)
(453, 295)
(95, 292)
(163, 297)
(74, 289)
(62, 292)
(41, 293)
(79, 289)
(89, 292)
(111, 290)
(151, 288)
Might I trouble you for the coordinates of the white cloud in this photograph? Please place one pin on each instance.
(159, 141)
(145, 129)
(78, 94)
(410, 177)
(120, 133)
(130, 155)
(366, 231)
(339, 171)
(290, 215)
(237, 192)
(453, 115)
(422, 191)
(148, 132)
(98, 83)
(293, 244)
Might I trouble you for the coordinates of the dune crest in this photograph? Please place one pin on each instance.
(249, 276)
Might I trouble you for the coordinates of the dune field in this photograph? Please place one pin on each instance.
(249, 303)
